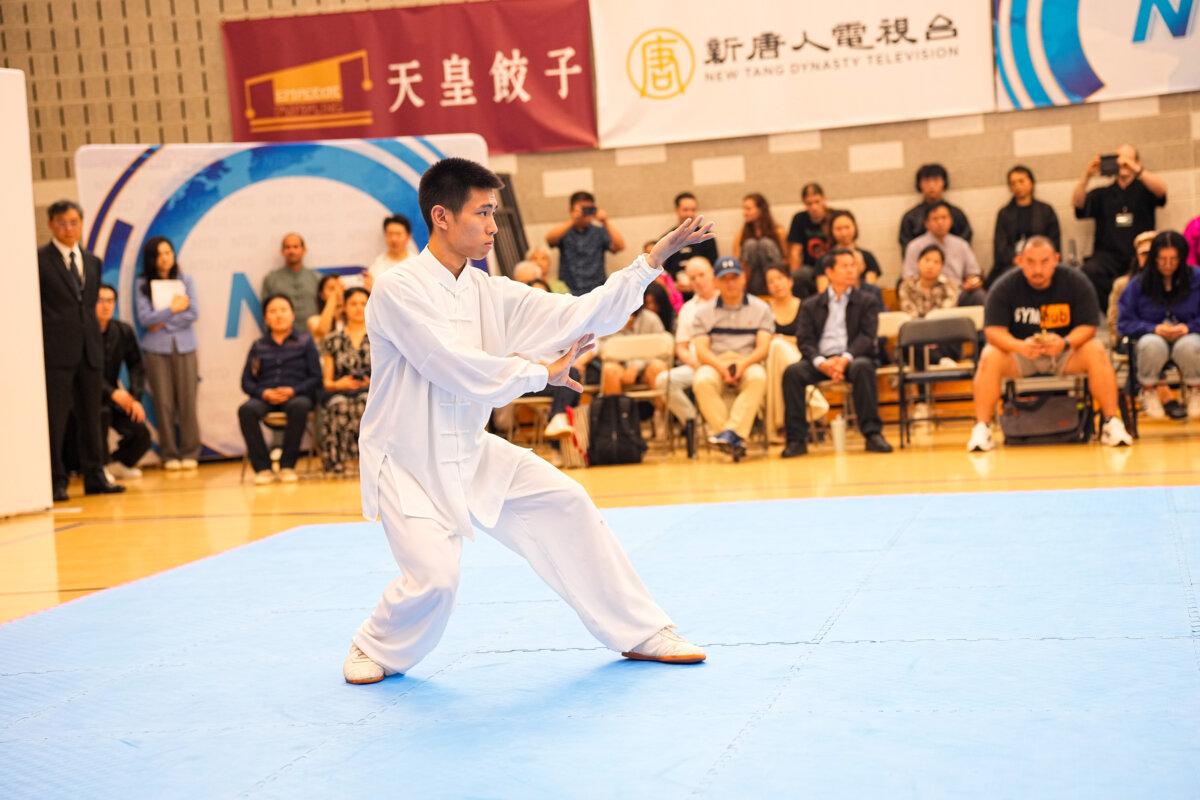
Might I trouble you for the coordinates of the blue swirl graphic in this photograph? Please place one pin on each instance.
(1064, 51)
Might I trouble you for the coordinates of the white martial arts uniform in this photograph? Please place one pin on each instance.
(442, 358)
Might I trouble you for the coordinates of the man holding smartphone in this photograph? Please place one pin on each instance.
(732, 339)
(582, 241)
(1122, 210)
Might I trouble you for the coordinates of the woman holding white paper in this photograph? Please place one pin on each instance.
(166, 310)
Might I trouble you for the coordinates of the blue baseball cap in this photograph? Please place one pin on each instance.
(727, 265)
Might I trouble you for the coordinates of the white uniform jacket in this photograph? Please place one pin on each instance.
(442, 357)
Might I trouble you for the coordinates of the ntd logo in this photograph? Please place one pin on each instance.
(1178, 19)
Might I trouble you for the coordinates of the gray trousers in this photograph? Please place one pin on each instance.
(1153, 352)
(677, 399)
(173, 382)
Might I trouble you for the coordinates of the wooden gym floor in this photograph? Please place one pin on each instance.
(165, 520)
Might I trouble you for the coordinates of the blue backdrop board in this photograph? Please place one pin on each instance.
(1040, 644)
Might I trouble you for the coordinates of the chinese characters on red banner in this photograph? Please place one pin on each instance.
(488, 68)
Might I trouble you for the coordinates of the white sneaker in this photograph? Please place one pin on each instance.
(264, 477)
(945, 362)
(668, 647)
(1152, 407)
(172, 464)
(559, 427)
(119, 470)
(109, 476)
(981, 438)
(359, 668)
(1113, 433)
(288, 475)
(188, 463)
(1193, 402)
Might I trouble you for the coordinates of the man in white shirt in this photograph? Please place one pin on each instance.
(699, 271)
(444, 345)
(397, 234)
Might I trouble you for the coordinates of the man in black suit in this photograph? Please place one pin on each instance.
(836, 333)
(69, 279)
(121, 410)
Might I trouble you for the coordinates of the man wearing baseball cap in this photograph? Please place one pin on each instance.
(732, 341)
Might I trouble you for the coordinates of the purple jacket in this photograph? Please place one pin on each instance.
(1138, 315)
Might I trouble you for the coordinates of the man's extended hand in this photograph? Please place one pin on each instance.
(689, 232)
(560, 368)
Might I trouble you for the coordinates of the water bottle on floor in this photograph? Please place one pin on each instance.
(838, 430)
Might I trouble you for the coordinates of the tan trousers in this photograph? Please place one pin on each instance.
(710, 389)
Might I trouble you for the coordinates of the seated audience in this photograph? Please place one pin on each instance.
(282, 373)
(759, 242)
(169, 353)
(121, 410)
(330, 299)
(1022, 217)
(700, 276)
(687, 207)
(541, 257)
(1161, 310)
(616, 375)
(397, 236)
(671, 292)
(785, 306)
(526, 272)
(959, 264)
(293, 280)
(1041, 320)
(346, 375)
(809, 236)
(1122, 210)
(836, 334)
(733, 335)
(658, 301)
(1141, 249)
(930, 289)
(1191, 234)
(582, 242)
(843, 229)
(932, 181)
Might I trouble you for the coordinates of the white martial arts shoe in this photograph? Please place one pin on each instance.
(264, 477)
(668, 647)
(359, 668)
(288, 475)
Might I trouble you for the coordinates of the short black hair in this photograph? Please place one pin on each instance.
(353, 290)
(449, 182)
(397, 219)
(108, 286)
(932, 248)
(1023, 169)
(62, 207)
(577, 196)
(277, 296)
(931, 171)
(935, 206)
(812, 187)
(539, 283)
(679, 198)
(830, 258)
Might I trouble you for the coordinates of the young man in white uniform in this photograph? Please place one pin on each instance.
(445, 344)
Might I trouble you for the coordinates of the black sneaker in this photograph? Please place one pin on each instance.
(1175, 409)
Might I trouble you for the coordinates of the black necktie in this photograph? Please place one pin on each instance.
(75, 275)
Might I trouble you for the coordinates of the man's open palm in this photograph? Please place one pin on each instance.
(690, 232)
(560, 368)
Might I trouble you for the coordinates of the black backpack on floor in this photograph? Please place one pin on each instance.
(614, 431)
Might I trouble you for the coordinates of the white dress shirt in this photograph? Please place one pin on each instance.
(66, 256)
(442, 357)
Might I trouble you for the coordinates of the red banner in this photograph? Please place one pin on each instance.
(517, 72)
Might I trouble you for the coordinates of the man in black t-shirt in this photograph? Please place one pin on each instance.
(1041, 320)
(808, 238)
(1122, 210)
(687, 207)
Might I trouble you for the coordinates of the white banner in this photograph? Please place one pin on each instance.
(1059, 52)
(682, 70)
(226, 207)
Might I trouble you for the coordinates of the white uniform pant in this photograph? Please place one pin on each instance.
(547, 519)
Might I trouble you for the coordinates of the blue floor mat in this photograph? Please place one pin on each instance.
(1032, 644)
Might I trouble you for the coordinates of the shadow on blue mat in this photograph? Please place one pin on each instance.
(1034, 644)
